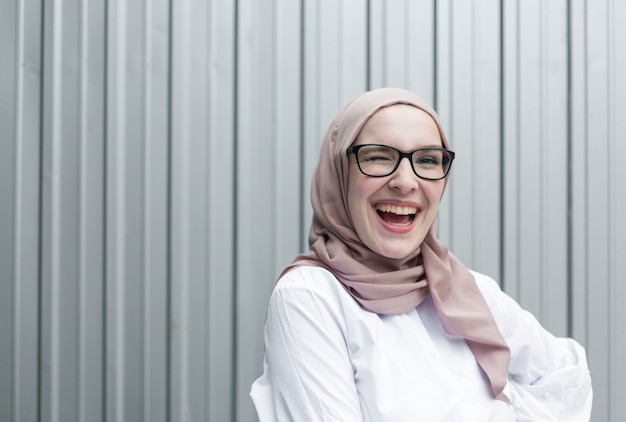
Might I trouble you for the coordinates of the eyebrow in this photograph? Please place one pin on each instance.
(430, 145)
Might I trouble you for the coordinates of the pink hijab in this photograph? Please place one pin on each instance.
(387, 286)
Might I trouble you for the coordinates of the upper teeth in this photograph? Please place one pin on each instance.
(396, 209)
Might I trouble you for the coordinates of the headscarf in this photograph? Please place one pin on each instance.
(389, 286)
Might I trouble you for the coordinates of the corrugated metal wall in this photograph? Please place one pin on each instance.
(155, 158)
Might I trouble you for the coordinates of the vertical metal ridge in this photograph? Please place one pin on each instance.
(82, 214)
(610, 197)
(15, 277)
(541, 131)
(40, 217)
(518, 170)
(368, 45)
(301, 94)
(502, 121)
(168, 220)
(570, 174)
(472, 128)
(14, 357)
(55, 136)
(105, 206)
(14, 398)
(143, 209)
(236, 213)
(586, 188)
(435, 54)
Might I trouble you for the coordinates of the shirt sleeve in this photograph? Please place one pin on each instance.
(548, 376)
(307, 371)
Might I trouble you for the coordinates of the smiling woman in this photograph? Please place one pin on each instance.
(379, 321)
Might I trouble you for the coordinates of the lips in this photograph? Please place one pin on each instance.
(396, 215)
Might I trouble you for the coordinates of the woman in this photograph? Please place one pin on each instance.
(379, 322)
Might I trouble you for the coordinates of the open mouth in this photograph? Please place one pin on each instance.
(396, 215)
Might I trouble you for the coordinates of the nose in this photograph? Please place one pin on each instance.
(404, 178)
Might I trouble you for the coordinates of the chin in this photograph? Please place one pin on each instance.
(397, 251)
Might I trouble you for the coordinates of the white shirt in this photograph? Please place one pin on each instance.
(328, 359)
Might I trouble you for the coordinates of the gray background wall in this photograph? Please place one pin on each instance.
(155, 160)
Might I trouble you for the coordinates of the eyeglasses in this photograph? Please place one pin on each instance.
(382, 160)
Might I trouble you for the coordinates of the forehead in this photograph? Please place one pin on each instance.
(400, 121)
(401, 112)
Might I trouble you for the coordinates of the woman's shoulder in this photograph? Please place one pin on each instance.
(306, 277)
(314, 292)
(307, 281)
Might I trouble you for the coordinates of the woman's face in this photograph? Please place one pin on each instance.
(393, 214)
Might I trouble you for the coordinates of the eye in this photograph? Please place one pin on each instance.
(379, 157)
(428, 159)
(376, 154)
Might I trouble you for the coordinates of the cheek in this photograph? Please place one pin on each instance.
(357, 200)
(359, 192)
(433, 194)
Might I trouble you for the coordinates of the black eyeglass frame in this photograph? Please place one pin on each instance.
(354, 149)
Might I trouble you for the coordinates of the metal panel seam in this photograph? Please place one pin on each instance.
(168, 221)
(235, 201)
